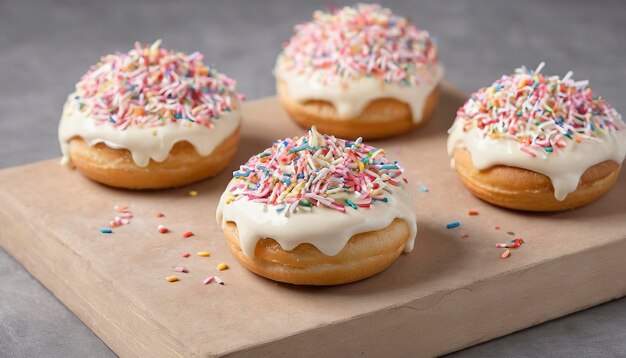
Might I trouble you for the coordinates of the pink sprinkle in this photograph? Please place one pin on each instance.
(465, 236)
(186, 254)
(208, 280)
(188, 234)
(500, 245)
(181, 269)
(496, 227)
(160, 215)
(528, 151)
(506, 254)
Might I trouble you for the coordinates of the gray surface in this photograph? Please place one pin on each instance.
(46, 47)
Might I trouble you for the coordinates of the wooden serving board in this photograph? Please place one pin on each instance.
(449, 293)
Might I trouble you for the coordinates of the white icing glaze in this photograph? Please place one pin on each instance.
(351, 99)
(564, 167)
(327, 229)
(147, 142)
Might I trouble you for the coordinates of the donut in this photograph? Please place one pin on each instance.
(150, 118)
(537, 143)
(318, 210)
(359, 71)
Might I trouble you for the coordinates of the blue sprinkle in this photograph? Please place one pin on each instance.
(280, 208)
(300, 176)
(299, 148)
(453, 224)
(388, 166)
(384, 200)
(240, 174)
(106, 230)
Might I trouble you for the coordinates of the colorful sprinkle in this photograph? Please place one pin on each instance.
(187, 234)
(181, 269)
(150, 87)
(160, 215)
(203, 253)
(363, 40)
(222, 267)
(218, 280)
(106, 230)
(453, 225)
(162, 229)
(506, 254)
(193, 193)
(172, 278)
(320, 170)
(472, 213)
(208, 280)
(542, 113)
(186, 254)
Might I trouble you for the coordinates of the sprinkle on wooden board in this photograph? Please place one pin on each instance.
(472, 213)
(106, 230)
(162, 229)
(453, 225)
(222, 266)
(203, 253)
(186, 254)
(506, 254)
(172, 278)
(181, 269)
(193, 193)
(208, 280)
(215, 279)
(187, 234)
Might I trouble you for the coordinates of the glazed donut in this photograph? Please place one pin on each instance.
(537, 143)
(150, 119)
(317, 210)
(359, 72)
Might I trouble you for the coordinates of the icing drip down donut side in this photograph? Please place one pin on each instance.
(351, 99)
(146, 101)
(354, 55)
(313, 190)
(555, 127)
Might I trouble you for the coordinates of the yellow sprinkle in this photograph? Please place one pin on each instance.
(171, 278)
(361, 167)
(193, 193)
(222, 266)
(203, 253)
(230, 200)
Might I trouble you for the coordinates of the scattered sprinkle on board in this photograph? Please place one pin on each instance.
(188, 234)
(193, 193)
(222, 266)
(453, 225)
(171, 278)
(106, 230)
(203, 253)
(506, 254)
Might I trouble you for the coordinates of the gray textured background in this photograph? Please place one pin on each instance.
(46, 46)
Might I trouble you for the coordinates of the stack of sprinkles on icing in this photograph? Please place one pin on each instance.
(317, 170)
(151, 86)
(364, 40)
(543, 114)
